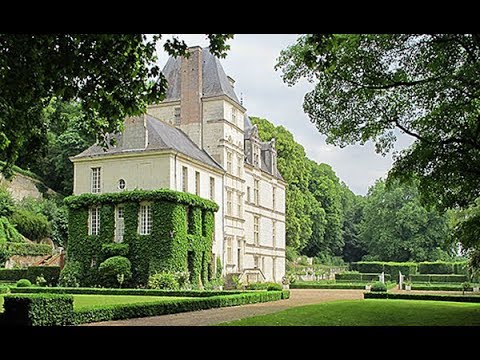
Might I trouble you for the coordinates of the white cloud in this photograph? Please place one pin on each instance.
(251, 62)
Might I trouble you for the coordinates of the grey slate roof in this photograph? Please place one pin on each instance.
(215, 81)
(161, 136)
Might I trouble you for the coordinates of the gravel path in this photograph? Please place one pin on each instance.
(298, 297)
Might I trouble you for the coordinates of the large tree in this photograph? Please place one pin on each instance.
(110, 75)
(396, 227)
(426, 86)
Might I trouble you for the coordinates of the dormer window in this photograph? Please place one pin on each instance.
(234, 116)
(256, 155)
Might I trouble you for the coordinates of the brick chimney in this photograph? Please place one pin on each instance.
(191, 95)
(135, 133)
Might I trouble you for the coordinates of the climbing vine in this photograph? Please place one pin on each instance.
(181, 237)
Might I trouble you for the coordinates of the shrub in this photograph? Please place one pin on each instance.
(269, 286)
(361, 277)
(378, 287)
(28, 249)
(38, 309)
(70, 275)
(6, 202)
(41, 281)
(49, 273)
(466, 286)
(436, 267)
(127, 311)
(112, 269)
(12, 275)
(163, 280)
(435, 297)
(183, 279)
(439, 278)
(4, 289)
(114, 249)
(24, 283)
(31, 225)
(219, 266)
(369, 266)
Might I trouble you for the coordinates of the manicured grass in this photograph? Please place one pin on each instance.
(87, 301)
(371, 312)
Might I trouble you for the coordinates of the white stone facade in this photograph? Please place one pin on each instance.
(220, 132)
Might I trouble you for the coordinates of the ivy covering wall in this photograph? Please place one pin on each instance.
(180, 239)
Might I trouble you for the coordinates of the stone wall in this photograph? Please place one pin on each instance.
(22, 186)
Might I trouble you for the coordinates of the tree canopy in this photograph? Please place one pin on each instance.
(396, 227)
(427, 86)
(111, 76)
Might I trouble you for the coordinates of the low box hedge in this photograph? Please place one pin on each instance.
(38, 310)
(439, 278)
(314, 285)
(57, 309)
(362, 277)
(128, 311)
(438, 287)
(113, 291)
(436, 297)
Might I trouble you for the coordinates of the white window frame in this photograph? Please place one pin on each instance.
(119, 223)
(229, 161)
(94, 220)
(256, 191)
(95, 180)
(274, 233)
(256, 230)
(239, 205)
(239, 166)
(229, 249)
(212, 188)
(197, 183)
(229, 201)
(145, 220)
(184, 179)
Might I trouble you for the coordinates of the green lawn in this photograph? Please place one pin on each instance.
(371, 312)
(83, 301)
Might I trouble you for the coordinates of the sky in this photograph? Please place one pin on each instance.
(250, 61)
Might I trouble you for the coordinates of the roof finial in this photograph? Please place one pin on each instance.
(241, 98)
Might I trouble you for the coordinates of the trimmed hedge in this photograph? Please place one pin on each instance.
(365, 277)
(270, 286)
(38, 309)
(50, 273)
(4, 289)
(128, 311)
(391, 268)
(436, 297)
(443, 267)
(438, 278)
(28, 249)
(314, 285)
(114, 291)
(445, 287)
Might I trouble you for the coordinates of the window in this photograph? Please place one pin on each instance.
(239, 205)
(212, 188)
(273, 197)
(94, 221)
(274, 265)
(256, 220)
(234, 116)
(197, 183)
(248, 194)
(145, 219)
(176, 115)
(119, 225)
(229, 161)
(184, 179)
(256, 155)
(255, 261)
(239, 165)
(121, 184)
(229, 202)
(274, 233)
(95, 180)
(229, 250)
(256, 194)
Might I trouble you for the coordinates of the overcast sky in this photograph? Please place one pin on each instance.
(251, 62)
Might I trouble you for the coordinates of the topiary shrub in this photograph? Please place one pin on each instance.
(24, 283)
(114, 249)
(31, 225)
(379, 287)
(163, 280)
(114, 271)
